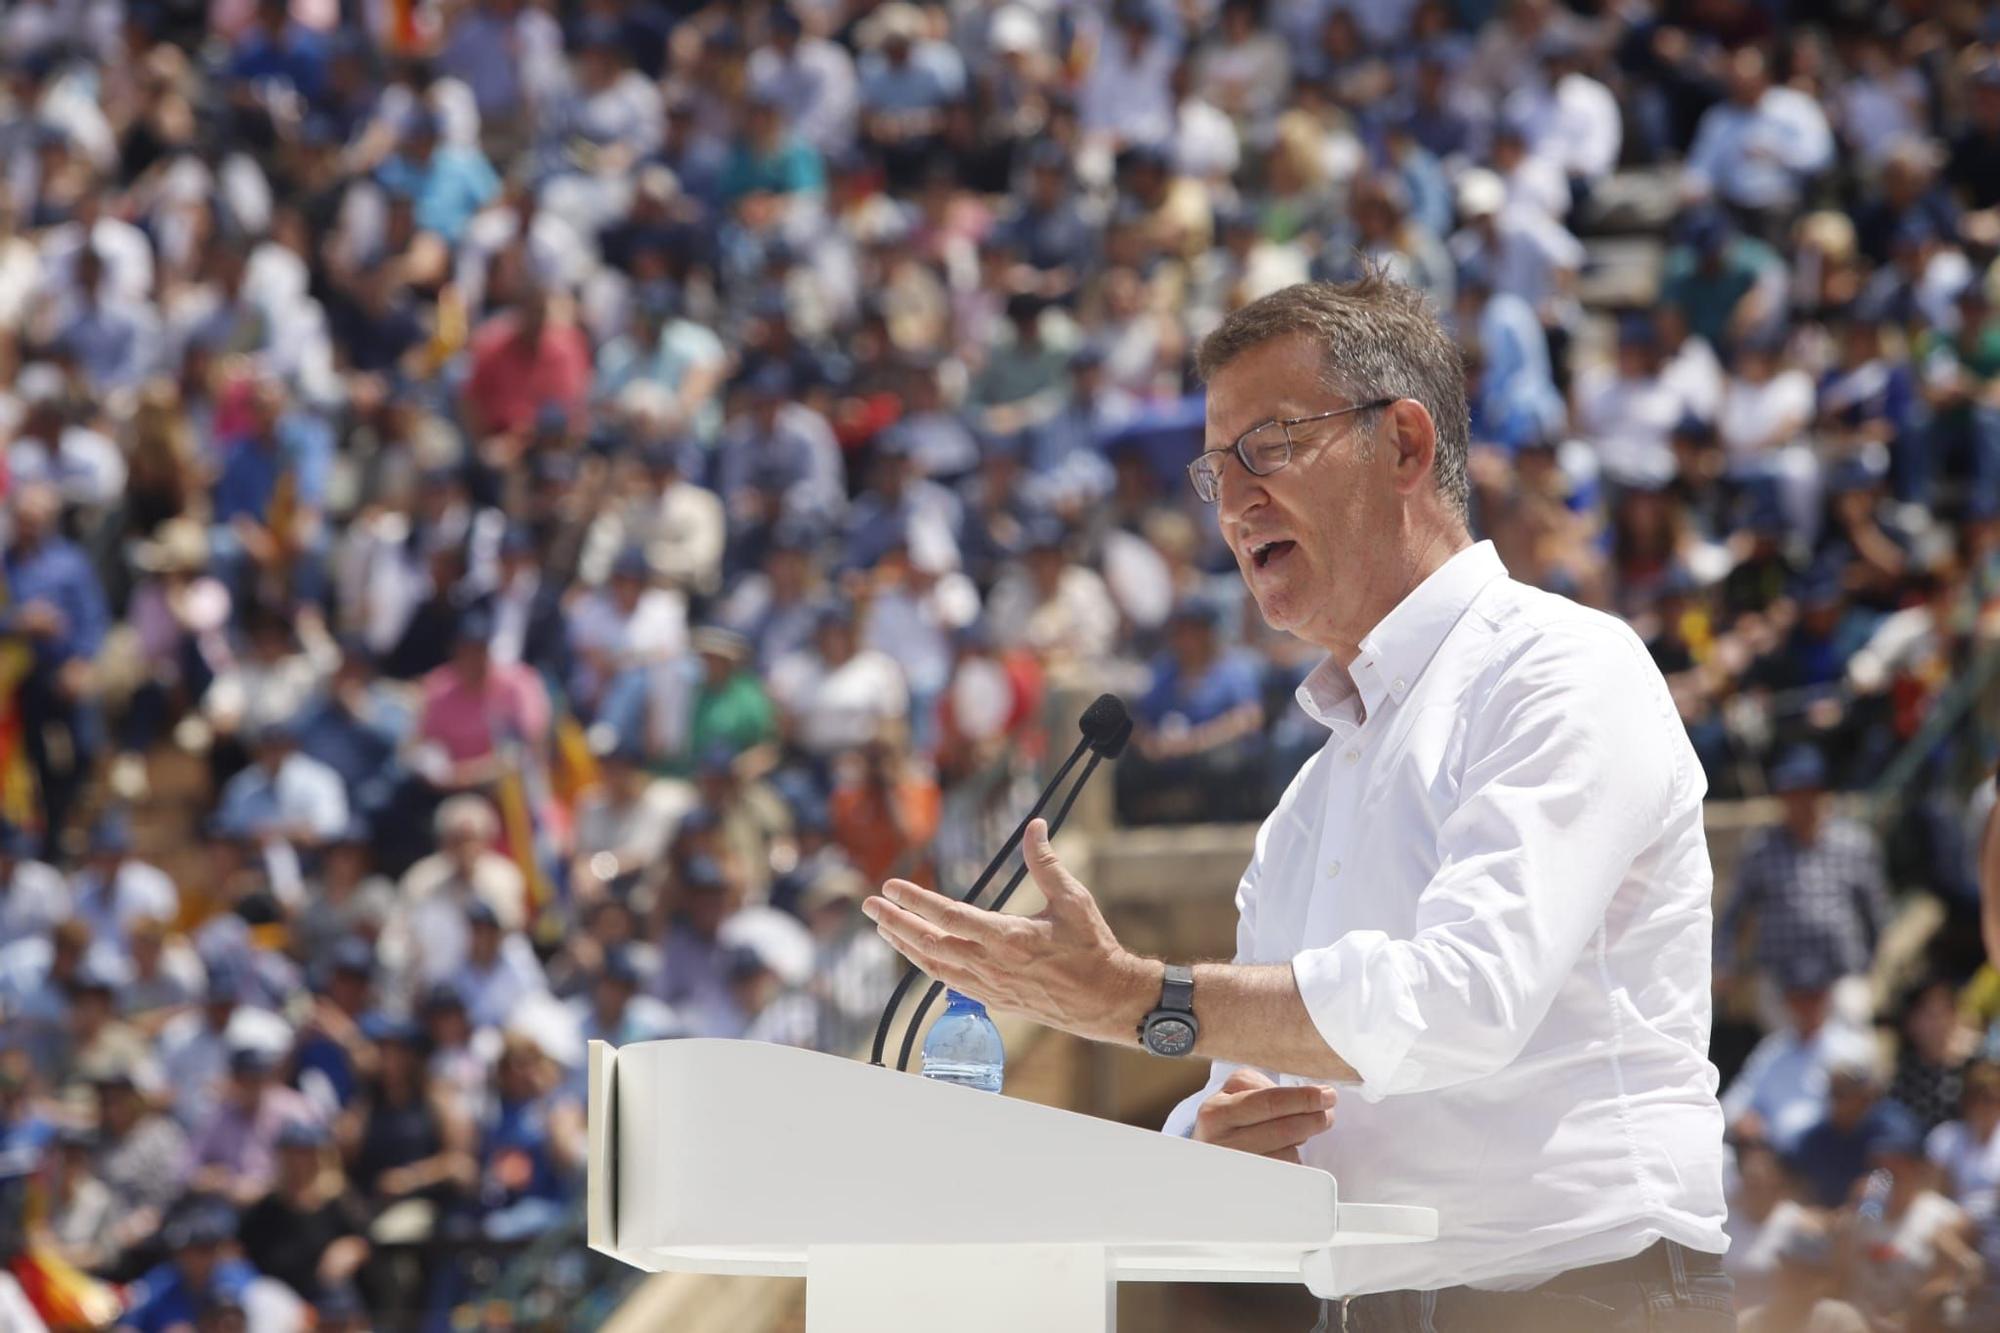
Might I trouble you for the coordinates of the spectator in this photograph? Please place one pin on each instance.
(1918, 1252)
(1811, 886)
(308, 1232)
(499, 971)
(1199, 727)
(1761, 148)
(1832, 1156)
(1966, 1153)
(885, 811)
(55, 607)
(1801, 1301)
(1766, 1224)
(235, 1147)
(531, 1143)
(1933, 1051)
(428, 934)
(837, 694)
(1781, 1090)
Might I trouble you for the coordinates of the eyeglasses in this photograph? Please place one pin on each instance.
(1262, 449)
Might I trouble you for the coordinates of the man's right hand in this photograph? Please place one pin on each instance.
(1251, 1113)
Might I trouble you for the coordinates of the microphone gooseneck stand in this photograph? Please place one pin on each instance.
(1106, 725)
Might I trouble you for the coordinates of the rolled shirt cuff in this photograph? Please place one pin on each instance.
(1364, 1008)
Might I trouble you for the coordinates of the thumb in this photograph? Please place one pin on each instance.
(1058, 886)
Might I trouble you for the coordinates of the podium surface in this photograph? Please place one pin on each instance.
(911, 1205)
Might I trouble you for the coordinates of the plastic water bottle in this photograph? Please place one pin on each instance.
(964, 1047)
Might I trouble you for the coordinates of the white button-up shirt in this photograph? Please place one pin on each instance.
(1493, 888)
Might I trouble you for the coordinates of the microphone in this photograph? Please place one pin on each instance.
(1106, 726)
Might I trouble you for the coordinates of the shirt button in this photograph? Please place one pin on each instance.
(1399, 686)
(1332, 869)
(1352, 756)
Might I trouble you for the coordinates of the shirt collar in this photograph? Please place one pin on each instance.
(1401, 645)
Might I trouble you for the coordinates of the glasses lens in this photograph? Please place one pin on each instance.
(1205, 473)
(1267, 449)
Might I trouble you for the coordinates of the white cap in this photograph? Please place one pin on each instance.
(1012, 29)
(1480, 193)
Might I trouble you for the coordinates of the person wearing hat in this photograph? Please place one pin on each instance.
(529, 623)
(777, 458)
(853, 970)
(902, 507)
(55, 606)
(500, 970)
(310, 1232)
(473, 708)
(1629, 409)
(1127, 94)
(522, 358)
(1811, 886)
(692, 978)
(677, 522)
(94, 1033)
(1052, 603)
(1838, 1149)
(731, 707)
(203, 1267)
(114, 888)
(626, 637)
(1720, 280)
(140, 1153)
(1198, 738)
(809, 78)
(624, 823)
(616, 1009)
(234, 1149)
(284, 795)
(838, 694)
(34, 895)
(1781, 1089)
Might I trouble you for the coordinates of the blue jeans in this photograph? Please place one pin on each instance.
(1690, 1295)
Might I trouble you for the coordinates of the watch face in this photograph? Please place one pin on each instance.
(1169, 1036)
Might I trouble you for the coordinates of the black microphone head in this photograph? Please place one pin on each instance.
(1100, 722)
(1115, 746)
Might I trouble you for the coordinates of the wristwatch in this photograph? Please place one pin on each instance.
(1172, 1029)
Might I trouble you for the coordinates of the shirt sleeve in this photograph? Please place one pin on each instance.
(1570, 771)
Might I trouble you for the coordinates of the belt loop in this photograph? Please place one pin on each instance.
(1427, 1305)
(1677, 1269)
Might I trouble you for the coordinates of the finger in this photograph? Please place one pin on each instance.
(908, 931)
(1271, 1135)
(1058, 886)
(1285, 1155)
(948, 913)
(1227, 1111)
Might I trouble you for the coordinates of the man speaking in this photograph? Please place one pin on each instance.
(1484, 903)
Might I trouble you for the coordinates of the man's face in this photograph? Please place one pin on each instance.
(1335, 502)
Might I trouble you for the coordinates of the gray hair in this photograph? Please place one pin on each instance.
(1378, 338)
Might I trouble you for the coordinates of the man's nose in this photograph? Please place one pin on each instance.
(1239, 492)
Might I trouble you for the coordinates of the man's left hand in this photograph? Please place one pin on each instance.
(1062, 967)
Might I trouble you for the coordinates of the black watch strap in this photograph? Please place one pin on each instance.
(1177, 988)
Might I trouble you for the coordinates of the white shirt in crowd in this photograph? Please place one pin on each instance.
(1575, 123)
(840, 707)
(1493, 888)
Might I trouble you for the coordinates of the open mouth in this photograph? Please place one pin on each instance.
(1265, 554)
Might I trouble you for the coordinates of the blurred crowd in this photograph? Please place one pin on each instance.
(518, 512)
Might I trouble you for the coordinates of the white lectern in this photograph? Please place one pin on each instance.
(913, 1207)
